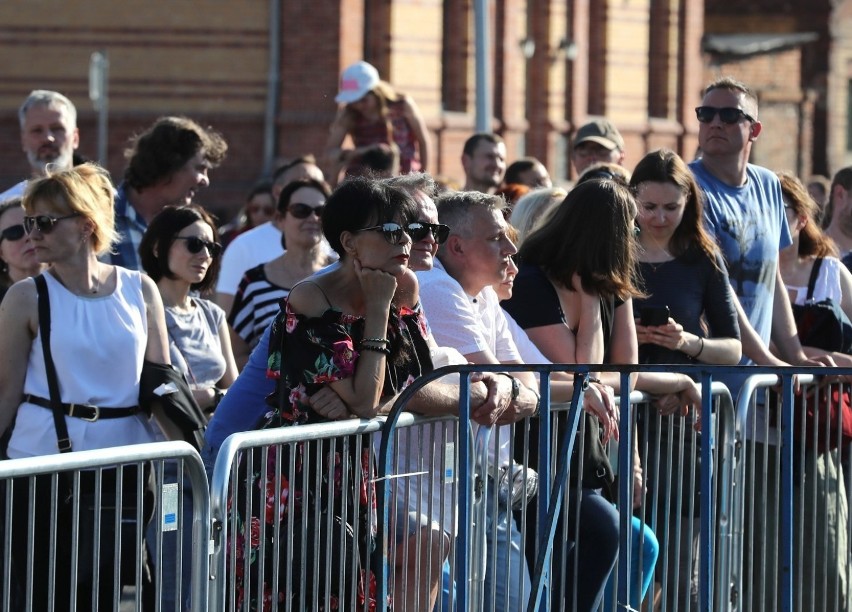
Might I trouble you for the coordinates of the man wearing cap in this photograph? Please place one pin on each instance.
(597, 141)
(484, 162)
(49, 135)
(374, 115)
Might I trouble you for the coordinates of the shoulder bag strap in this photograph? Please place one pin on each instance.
(63, 440)
(813, 279)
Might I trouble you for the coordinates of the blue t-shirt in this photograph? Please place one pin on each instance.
(750, 227)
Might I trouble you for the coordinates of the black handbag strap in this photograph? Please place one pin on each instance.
(813, 279)
(62, 438)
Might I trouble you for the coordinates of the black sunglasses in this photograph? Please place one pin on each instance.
(303, 211)
(13, 233)
(393, 232)
(727, 114)
(420, 229)
(44, 223)
(194, 244)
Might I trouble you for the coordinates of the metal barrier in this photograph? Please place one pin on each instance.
(74, 529)
(792, 497)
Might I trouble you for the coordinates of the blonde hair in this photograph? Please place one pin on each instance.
(85, 189)
(532, 208)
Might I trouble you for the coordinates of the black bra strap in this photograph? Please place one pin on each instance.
(813, 279)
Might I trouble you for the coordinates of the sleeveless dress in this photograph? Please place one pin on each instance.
(305, 354)
(365, 133)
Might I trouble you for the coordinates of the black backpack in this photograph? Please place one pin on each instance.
(822, 324)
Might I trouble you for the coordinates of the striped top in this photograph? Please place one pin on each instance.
(255, 305)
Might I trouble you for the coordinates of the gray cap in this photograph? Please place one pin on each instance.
(602, 132)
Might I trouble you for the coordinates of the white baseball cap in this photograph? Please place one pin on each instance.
(356, 82)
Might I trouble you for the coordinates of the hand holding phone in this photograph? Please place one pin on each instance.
(654, 315)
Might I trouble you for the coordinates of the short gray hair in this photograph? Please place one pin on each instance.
(45, 97)
(455, 208)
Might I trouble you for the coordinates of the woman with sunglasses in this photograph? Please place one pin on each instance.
(17, 253)
(180, 251)
(348, 328)
(262, 288)
(104, 321)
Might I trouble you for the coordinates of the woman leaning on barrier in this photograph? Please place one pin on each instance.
(819, 479)
(352, 329)
(104, 321)
(687, 317)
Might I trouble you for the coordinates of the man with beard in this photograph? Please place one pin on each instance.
(49, 135)
(167, 164)
(484, 162)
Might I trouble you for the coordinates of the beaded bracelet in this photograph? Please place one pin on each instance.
(376, 340)
(377, 349)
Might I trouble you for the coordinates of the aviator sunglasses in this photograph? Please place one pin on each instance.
(194, 244)
(393, 232)
(13, 233)
(44, 223)
(420, 229)
(727, 114)
(303, 211)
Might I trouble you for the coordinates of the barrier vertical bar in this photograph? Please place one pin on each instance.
(544, 475)
(786, 502)
(465, 465)
(708, 441)
(625, 489)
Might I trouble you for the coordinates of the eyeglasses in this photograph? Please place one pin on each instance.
(393, 232)
(727, 114)
(13, 233)
(303, 211)
(420, 229)
(44, 223)
(194, 244)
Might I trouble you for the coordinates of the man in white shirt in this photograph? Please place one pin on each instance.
(49, 135)
(262, 243)
(464, 313)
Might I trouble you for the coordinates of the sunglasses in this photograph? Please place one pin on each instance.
(44, 223)
(393, 232)
(303, 211)
(420, 229)
(727, 114)
(13, 233)
(194, 245)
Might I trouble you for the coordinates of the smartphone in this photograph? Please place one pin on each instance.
(654, 315)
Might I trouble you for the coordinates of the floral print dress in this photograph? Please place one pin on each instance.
(332, 487)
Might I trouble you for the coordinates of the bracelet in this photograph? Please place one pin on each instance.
(218, 394)
(593, 379)
(537, 403)
(377, 349)
(376, 340)
(701, 340)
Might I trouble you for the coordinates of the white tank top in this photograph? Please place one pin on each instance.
(98, 346)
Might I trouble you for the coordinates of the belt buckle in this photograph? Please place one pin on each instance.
(90, 419)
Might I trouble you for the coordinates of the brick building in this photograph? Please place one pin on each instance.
(243, 67)
(798, 58)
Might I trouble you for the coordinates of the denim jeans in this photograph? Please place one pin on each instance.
(507, 577)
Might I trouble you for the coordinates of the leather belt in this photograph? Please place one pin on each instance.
(84, 411)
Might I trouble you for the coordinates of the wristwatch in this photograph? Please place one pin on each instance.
(516, 385)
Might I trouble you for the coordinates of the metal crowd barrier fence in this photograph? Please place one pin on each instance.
(792, 491)
(76, 531)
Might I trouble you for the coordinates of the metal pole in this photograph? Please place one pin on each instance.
(484, 107)
(273, 81)
(99, 95)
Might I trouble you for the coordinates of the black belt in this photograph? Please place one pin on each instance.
(84, 411)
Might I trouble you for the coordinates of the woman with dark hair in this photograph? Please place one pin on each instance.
(181, 253)
(353, 329)
(17, 253)
(375, 115)
(685, 279)
(680, 268)
(259, 208)
(262, 288)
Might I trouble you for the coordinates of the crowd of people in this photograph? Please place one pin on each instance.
(336, 299)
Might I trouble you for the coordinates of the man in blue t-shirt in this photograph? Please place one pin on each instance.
(744, 209)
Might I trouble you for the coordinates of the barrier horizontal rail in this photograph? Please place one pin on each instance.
(89, 477)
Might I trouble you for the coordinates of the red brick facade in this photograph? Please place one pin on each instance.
(636, 62)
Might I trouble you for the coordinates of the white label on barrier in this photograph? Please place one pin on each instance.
(170, 507)
(449, 463)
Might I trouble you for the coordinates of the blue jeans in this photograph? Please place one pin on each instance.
(644, 551)
(510, 567)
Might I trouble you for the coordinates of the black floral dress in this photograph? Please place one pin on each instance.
(305, 354)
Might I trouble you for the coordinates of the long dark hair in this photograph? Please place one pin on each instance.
(812, 241)
(589, 234)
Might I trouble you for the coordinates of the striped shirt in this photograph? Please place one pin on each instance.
(255, 305)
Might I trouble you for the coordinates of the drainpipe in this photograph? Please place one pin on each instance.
(484, 107)
(273, 81)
